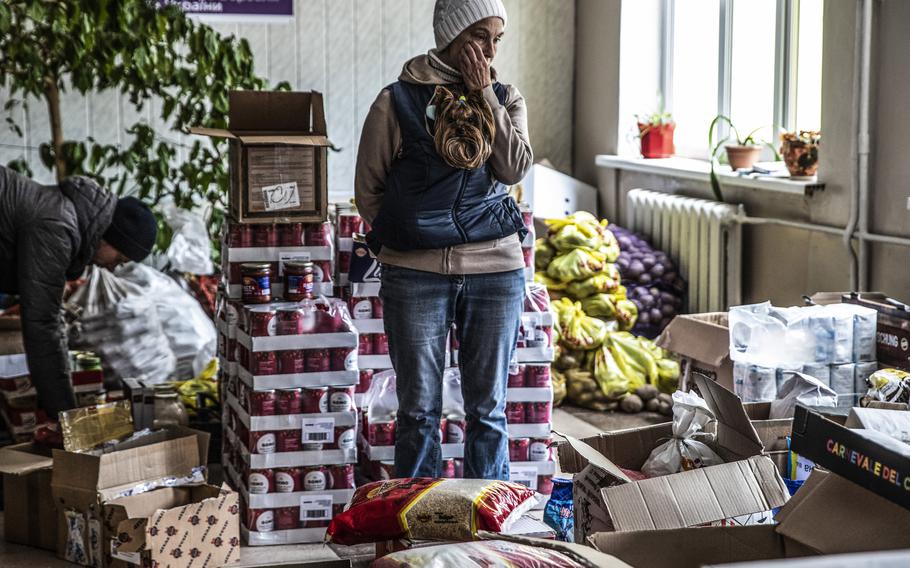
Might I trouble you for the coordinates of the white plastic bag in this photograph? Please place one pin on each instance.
(118, 321)
(803, 389)
(683, 451)
(190, 249)
(190, 332)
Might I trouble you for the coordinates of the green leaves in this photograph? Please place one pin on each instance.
(146, 54)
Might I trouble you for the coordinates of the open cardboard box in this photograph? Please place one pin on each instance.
(278, 156)
(703, 343)
(176, 527)
(82, 483)
(606, 499)
(29, 506)
(811, 523)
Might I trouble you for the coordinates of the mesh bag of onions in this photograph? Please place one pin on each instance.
(423, 508)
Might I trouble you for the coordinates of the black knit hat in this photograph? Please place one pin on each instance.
(133, 229)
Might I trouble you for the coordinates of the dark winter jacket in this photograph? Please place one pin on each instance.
(429, 204)
(48, 234)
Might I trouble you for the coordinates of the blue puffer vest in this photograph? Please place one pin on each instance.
(428, 204)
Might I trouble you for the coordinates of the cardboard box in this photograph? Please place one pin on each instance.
(82, 483)
(606, 499)
(278, 156)
(177, 527)
(703, 342)
(871, 459)
(889, 559)
(31, 518)
(772, 433)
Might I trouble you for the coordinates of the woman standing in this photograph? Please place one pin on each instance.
(437, 150)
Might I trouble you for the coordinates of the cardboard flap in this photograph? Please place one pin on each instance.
(211, 132)
(817, 519)
(23, 459)
(209, 523)
(276, 111)
(703, 337)
(290, 140)
(735, 431)
(594, 457)
(146, 463)
(698, 496)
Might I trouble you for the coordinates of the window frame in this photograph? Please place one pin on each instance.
(786, 44)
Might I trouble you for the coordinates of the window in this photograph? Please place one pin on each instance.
(755, 61)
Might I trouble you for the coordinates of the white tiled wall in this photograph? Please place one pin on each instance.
(349, 50)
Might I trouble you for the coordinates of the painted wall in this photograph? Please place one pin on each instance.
(349, 50)
(783, 264)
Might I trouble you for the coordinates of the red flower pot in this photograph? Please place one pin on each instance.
(656, 140)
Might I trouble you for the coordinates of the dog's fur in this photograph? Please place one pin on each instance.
(464, 128)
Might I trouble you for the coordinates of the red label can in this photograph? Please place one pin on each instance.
(381, 433)
(365, 344)
(528, 253)
(459, 468)
(538, 413)
(380, 344)
(291, 235)
(322, 271)
(539, 449)
(342, 476)
(517, 375)
(315, 400)
(262, 442)
(264, 363)
(448, 468)
(545, 484)
(262, 403)
(260, 520)
(344, 261)
(265, 236)
(318, 361)
(240, 235)
(288, 480)
(518, 449)
(361, 308)
(315, 479)
(515, 412)
(345, 438)
(537, 376)
(348, 225)
(443, 430)
(292, 321)
(231, 350)
(261, 481)
(291, 361)
(318, 235)
(344, 359)
(341, 399)
(455, 429)
(287, 518)
(377, 307)
(290, 401)
(262, 322)
(289, 440)
(366, 379)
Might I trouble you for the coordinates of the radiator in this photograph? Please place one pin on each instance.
(703, 237)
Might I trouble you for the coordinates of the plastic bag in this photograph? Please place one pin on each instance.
(583, 332)
(575, 265)
(889, 385)
(481, 554)
(599, 306)
(543, 254)
(558, 513)
(604, 282)
(801, 389)
(191, 334)
(423, 508)
(611, 379)
(683, 452)
(118, 321)
(191, 248)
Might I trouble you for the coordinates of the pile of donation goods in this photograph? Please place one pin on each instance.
(602, 364)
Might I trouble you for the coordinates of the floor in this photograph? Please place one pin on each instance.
(573, 421)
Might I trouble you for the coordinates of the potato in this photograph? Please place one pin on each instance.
(664, 397)
(646, 392)
(631, 404)
(584, 399)
(665, 409)
(652, 405)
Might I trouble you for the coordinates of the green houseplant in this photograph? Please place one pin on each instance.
(741, 154)
(800, 152)
(655, 131)
(147, 54)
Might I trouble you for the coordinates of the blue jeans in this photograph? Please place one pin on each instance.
(419, 309)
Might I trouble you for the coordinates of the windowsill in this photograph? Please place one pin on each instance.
(700, 170)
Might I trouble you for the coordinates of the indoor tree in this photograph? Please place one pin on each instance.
(145, 53)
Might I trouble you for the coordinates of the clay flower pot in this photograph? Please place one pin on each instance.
(800, 152)
(742, 157)
(656, 140)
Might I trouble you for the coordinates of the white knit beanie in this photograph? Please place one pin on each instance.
(451, 17)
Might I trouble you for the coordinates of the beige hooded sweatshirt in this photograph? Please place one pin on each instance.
(511, 159)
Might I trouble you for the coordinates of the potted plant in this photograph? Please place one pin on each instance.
(656, 134)
(800, 152)
(741, 155)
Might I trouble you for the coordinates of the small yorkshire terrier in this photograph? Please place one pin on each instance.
(464, 128)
